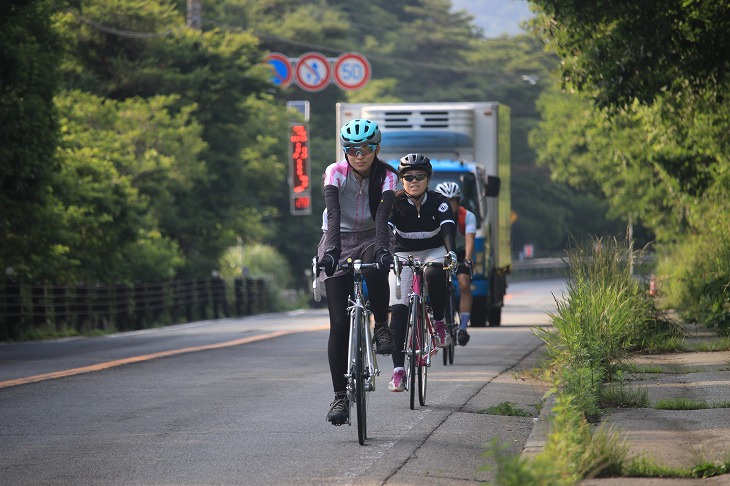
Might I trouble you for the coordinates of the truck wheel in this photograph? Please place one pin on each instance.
(479, 312)
(495, 316)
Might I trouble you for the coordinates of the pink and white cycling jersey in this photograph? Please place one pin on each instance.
(354, 202)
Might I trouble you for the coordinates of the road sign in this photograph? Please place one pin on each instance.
(283, 71)
(351, 71)
(313, 71)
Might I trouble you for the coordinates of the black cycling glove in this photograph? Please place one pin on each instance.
(329, 261)
(384, 259)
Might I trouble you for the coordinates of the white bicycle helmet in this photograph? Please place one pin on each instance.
(449, 189)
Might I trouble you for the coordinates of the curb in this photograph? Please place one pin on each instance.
(537, 438)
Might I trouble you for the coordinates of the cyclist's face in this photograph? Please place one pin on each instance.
(414, 186)
(363, 158)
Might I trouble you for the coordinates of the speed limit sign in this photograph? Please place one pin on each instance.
(351, 71)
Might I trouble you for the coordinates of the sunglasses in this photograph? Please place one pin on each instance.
(356, 150)
(416, 177)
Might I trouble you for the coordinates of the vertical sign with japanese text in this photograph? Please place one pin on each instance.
(301, 191)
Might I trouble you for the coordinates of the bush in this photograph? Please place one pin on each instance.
(695, 272)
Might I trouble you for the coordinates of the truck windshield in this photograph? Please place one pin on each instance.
(467, 184)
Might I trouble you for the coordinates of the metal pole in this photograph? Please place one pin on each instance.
(195, 13)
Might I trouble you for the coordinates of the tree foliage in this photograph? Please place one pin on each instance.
(621, 50)
(172, 142)
(647, 126)
(29, 50)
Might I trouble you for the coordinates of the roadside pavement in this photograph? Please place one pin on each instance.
(671, 438)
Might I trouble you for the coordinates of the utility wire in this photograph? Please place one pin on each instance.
(122, 33)
(230, 28)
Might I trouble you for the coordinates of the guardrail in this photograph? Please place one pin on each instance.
(24, 307)
(538, 268)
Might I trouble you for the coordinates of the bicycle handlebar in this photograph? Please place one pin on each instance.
(349, 264)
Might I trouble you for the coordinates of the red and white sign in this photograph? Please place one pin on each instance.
(351, 71)
(313, 71)
(282, 71)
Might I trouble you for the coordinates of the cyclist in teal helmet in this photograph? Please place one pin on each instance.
(359, 192)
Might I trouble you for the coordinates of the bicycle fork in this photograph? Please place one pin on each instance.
(371, 364)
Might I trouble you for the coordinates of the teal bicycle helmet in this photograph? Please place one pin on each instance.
(360, 131)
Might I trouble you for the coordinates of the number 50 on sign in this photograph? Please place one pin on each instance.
(351, 71)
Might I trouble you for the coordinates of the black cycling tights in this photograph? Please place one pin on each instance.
(338, 290)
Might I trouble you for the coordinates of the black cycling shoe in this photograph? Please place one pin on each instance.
(339, 411)
(383, 340)
(463, 337)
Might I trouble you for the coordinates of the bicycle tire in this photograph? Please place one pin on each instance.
(413, 355)
(425, 352)
(360, 393)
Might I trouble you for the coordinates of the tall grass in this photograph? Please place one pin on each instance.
(605, 312)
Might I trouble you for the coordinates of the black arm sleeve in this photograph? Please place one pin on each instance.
(448, 231)
(332, 201)
(382, 229)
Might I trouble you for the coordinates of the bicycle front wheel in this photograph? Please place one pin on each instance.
(415, 347)
(361, 403)
(425, 354)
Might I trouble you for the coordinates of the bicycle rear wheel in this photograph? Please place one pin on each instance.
(360, 394)
(451, 327)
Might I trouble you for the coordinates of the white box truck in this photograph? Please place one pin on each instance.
(468, 143)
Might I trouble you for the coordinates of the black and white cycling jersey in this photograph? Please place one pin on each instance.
(422, 228)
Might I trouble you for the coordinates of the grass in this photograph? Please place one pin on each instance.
(642, 467)
(619, 395)
(669, 369)
(720, 344)
(688, 404)
(49, 331)
(509, 409)
(605, 315)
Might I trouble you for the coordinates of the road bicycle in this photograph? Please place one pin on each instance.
(419, 344)
(452, 319)
(362, 365)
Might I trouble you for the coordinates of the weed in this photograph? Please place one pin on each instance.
(687, 404)
(509, 409)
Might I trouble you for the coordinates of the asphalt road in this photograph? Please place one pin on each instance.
(243, 401)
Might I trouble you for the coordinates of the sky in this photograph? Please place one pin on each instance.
(496, 17)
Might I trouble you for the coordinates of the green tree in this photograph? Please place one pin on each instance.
(125, 49)
(619, 51)
(29, 53)
(125, 166)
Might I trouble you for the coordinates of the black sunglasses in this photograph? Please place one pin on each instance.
(412, 177)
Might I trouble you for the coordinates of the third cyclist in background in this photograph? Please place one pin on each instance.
(466, 229)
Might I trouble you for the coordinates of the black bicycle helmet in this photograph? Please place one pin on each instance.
(415, 162)
(360, 131)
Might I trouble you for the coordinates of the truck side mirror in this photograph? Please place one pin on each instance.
(493, 183)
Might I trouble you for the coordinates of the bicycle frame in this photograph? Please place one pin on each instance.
(418, 344)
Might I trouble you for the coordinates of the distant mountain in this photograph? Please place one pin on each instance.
(496, 17)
